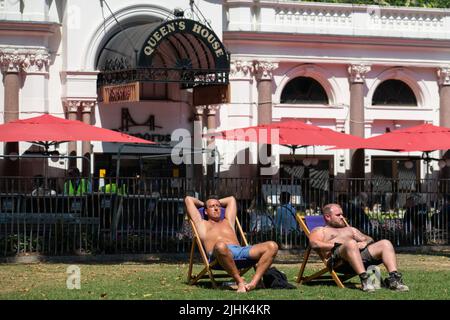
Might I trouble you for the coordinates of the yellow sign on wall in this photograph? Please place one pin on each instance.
(121, 93)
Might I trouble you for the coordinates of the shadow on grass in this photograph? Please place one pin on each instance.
(443, 251)
(156, 258)
(433, 254)
(102, 259)
(221, 285)
(329, 283)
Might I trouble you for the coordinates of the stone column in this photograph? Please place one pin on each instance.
(11, 65)
(71, 108)
(197, 145)
(86, 111)
(357, 75)
(444, 109)
(211, 120)
(211, 125)
(444, 96)
(264, 76)
(14, 64)
(241, 80)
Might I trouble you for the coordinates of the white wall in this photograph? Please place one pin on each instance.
(168, 115)
(407, 44)
(328, 37)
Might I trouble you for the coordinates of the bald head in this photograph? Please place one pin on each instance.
(330, 207)
(333, 215)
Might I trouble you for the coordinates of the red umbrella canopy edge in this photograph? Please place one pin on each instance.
(424, 137)
(288, 132)
(50, 128)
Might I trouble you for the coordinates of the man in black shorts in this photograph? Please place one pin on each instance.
(351, 250)
(339, 264)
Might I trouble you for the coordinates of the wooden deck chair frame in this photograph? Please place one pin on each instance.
(208, 270)
(319, 275)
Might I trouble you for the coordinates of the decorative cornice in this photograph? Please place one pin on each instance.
(212, 109)
(24, 59)
(241, 69)
(200, 109)
(264, 69)
(37, 62)
(444, 76)
(87, 106)
(75, 105)
(71, 105)
(11, 62)
(358, 72)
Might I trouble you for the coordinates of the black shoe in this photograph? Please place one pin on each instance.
(395, 282)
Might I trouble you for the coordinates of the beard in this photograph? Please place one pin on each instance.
(337, 224)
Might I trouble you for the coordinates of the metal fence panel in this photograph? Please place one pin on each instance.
(132, 215)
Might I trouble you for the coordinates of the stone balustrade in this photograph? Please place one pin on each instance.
(337, 19)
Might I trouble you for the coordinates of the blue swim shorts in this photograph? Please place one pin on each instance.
(239, 253)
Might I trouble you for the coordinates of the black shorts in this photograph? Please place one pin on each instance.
(343, 266)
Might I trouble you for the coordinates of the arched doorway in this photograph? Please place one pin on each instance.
(152, 75)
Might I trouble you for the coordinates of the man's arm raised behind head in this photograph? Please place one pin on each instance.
(191, 206)
(230, 208)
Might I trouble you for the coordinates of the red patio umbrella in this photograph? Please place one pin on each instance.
(47, 130)
(291, 133)
(424, 137)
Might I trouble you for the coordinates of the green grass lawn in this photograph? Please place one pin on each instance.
(428, 277)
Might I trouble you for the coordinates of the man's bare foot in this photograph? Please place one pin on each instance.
(250, 286)
(241, 287)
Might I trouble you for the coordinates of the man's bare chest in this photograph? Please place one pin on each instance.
(338, 234)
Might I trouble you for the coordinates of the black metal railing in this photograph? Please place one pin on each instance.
(188, 77)
(132, 215)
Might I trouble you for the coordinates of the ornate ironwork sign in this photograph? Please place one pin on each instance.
(200, 31)
(179, 50)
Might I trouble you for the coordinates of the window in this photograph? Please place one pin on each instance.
(396, 168)
(394, 93)
(394, 180)
(314, 178)
(304, 90)
(133, 164)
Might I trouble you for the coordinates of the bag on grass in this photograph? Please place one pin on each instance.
(275, 279)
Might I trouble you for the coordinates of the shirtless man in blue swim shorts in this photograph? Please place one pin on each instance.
(220, 240)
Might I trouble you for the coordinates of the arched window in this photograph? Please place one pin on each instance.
(304, 90)
(394, 93)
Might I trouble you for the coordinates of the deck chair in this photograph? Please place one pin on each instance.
(212, 269)
(307, 224)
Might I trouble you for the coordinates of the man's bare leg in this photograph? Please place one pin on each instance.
(384, 250)
(264, 253)
(349, 251)
(225, 258)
